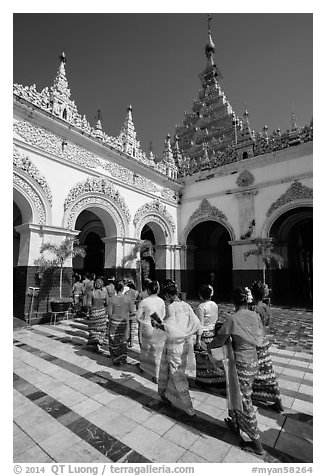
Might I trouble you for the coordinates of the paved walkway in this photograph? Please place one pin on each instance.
(72, 405)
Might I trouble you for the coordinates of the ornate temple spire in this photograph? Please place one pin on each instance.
(167, 153)
(294, 126)
(60, 84)
(211, 72)
(128, 134)
(99, 120)
(168, 158)
(210, 46)
(151, 154)
(61, 103)
(176, 151)
(98, 126)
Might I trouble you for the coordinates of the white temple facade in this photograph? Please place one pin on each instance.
(218, 191)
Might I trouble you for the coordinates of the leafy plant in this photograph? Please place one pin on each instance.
(140, 250)
(68, 248)
(264, 250)
(142, 247)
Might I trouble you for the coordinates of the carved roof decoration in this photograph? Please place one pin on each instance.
(155, 207)
(53, 144)
(205, 209)
(245, 179)
(296, 191)
(24, 163)
(56, 101)
(97, 185)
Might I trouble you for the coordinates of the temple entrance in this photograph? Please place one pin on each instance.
(147, 255)
(17, 220)
(209, 260)
(91, 233)
(293, 239)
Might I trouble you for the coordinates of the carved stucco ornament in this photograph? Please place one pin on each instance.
(25, 164)
(205, 209)
(154, 209)
(40, 209)
(297, 191)
(100, 186)
(245, 179)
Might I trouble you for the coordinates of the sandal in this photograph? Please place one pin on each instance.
(277, 407)
(252, 447)
(232, 426)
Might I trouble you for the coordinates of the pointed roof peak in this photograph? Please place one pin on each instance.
(210, 46)
(293, 121)
(63, 58)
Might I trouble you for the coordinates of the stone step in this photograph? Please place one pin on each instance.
(78, 326)
(68, 334)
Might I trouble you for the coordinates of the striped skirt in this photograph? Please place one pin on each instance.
(265, 387)
(152, 344)
(133, 337)
(117, 338)
(246, 419)
(97, 326)
(172, 381)
(209, 371)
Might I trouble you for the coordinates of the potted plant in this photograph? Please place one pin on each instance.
(264, 249)
(68, 248)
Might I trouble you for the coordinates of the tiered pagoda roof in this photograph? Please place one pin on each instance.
(212, 134)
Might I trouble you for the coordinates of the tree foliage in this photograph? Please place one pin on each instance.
(68, 248)
(264, 250)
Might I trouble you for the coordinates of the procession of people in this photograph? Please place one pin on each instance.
(182, 345)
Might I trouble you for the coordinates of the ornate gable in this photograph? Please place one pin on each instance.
(205, 209)
(296, 191)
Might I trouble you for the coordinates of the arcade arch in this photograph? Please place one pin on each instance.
(292, 233)
(153, 260)
(209, 259)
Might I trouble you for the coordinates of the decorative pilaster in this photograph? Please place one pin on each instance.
(247, 221)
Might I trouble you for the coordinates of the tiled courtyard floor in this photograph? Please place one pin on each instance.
(72, 405)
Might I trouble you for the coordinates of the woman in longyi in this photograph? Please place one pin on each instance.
(180, 326)
(243, 332)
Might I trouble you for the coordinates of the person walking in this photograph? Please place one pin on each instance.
(76, 292)
(87, 288)
(120, 308)
(98, 315)
(265, 387)
(133, 323)
(242, 332)
(209, 371)
(110, 287)
(152, 339)
(180, 325)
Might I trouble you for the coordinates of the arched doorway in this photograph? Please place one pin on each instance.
(22, 213)
(147, 255)
(17, 220)
(91, 233)
(293, 239)
(209, 260)
(154, 258)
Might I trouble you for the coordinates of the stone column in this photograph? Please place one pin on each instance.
(163, 262)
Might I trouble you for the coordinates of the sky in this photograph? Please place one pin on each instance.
(152, 61)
